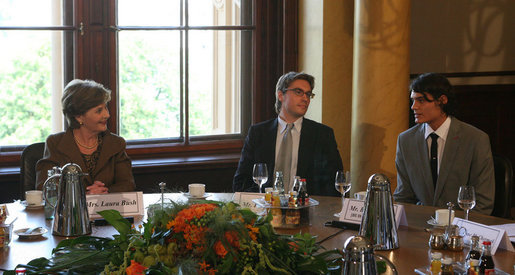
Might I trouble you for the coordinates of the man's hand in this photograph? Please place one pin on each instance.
(97, 187)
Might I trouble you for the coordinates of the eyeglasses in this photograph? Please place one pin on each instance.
(300, 92)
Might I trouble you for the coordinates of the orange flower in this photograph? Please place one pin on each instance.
(253, 231)
(203, 266)
(188, 214)
(220, 249)
(232, 238)
(135, 268)
(294, 246)
(192, 233)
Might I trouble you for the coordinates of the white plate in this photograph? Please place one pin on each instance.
(434, 223)
(24, 203)
(190, 197)
(36, 233)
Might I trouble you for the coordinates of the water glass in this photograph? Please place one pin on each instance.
(260, 175)
(466, 199)
(342, 184)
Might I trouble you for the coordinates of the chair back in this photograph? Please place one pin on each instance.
(503, 187)
(29, 157)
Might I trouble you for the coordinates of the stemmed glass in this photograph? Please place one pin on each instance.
(342, 184)
(466, 199)
(260, 175)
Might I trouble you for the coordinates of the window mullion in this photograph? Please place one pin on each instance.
(186, 76)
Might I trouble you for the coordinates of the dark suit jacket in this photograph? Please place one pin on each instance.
(467, 160)
(318, 157)
(113, 168)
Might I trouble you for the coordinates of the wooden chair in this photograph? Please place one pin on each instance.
(503, 187)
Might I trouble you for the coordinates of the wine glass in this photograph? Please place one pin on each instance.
(342, 184)
(466, 199)
(260, 175)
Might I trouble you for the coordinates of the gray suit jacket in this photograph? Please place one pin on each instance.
(467, 160)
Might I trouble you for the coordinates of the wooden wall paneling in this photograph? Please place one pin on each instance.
(490, 108)
(9, 184)
(217, 177)
(273, 28)
(290, 37)
(96, 12)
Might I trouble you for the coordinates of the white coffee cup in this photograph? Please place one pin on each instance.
(197, 189)
(361, 195)
(442, 216)
(34, 197)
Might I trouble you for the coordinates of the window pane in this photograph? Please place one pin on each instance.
(149, 89)
(149, 12)
(30, 13)
(31, 81)
(215, 82)
(218, 12)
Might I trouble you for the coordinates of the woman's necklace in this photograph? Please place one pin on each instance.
(84, 146)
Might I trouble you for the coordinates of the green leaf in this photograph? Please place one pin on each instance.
(115, 219)
(39, 262)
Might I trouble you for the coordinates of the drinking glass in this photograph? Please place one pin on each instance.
(260, 175)
(342, 184)
(466, 199)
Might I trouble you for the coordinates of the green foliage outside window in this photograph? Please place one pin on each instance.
(25, 107)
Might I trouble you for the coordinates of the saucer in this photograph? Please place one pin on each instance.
(28, 206)
(36, 233)
(434, 223)
(190, 197)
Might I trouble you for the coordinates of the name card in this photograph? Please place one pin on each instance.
(245, 199)
(129, 204)
(497, 236)
(352, 212)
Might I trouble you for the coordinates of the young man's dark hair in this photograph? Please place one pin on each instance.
(436, 85)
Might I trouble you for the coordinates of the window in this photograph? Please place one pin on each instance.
(31, 69)
(183, 73)
(179, 71)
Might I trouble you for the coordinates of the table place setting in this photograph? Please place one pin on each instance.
(33, 199)
(196, 191)
(31, 233)
(450, 233)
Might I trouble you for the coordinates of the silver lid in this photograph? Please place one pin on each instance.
(71, 168)
(358, 244)
(378, 179)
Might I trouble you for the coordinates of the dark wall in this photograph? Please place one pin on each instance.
(217, 177)
(9, 187)
(490, 108)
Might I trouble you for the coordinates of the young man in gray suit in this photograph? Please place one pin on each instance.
(312, 153)
(441, 153)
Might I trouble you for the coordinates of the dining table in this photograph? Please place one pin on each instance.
(413, 252)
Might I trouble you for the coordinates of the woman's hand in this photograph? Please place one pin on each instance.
(97, 187)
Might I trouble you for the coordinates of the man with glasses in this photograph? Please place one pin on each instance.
(291, 143)
(441, 153)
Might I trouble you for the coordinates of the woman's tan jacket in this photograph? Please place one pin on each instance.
(113, 167)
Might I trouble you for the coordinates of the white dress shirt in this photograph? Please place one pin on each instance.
(442, 132)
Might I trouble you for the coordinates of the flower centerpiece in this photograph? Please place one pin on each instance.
(204, 237)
